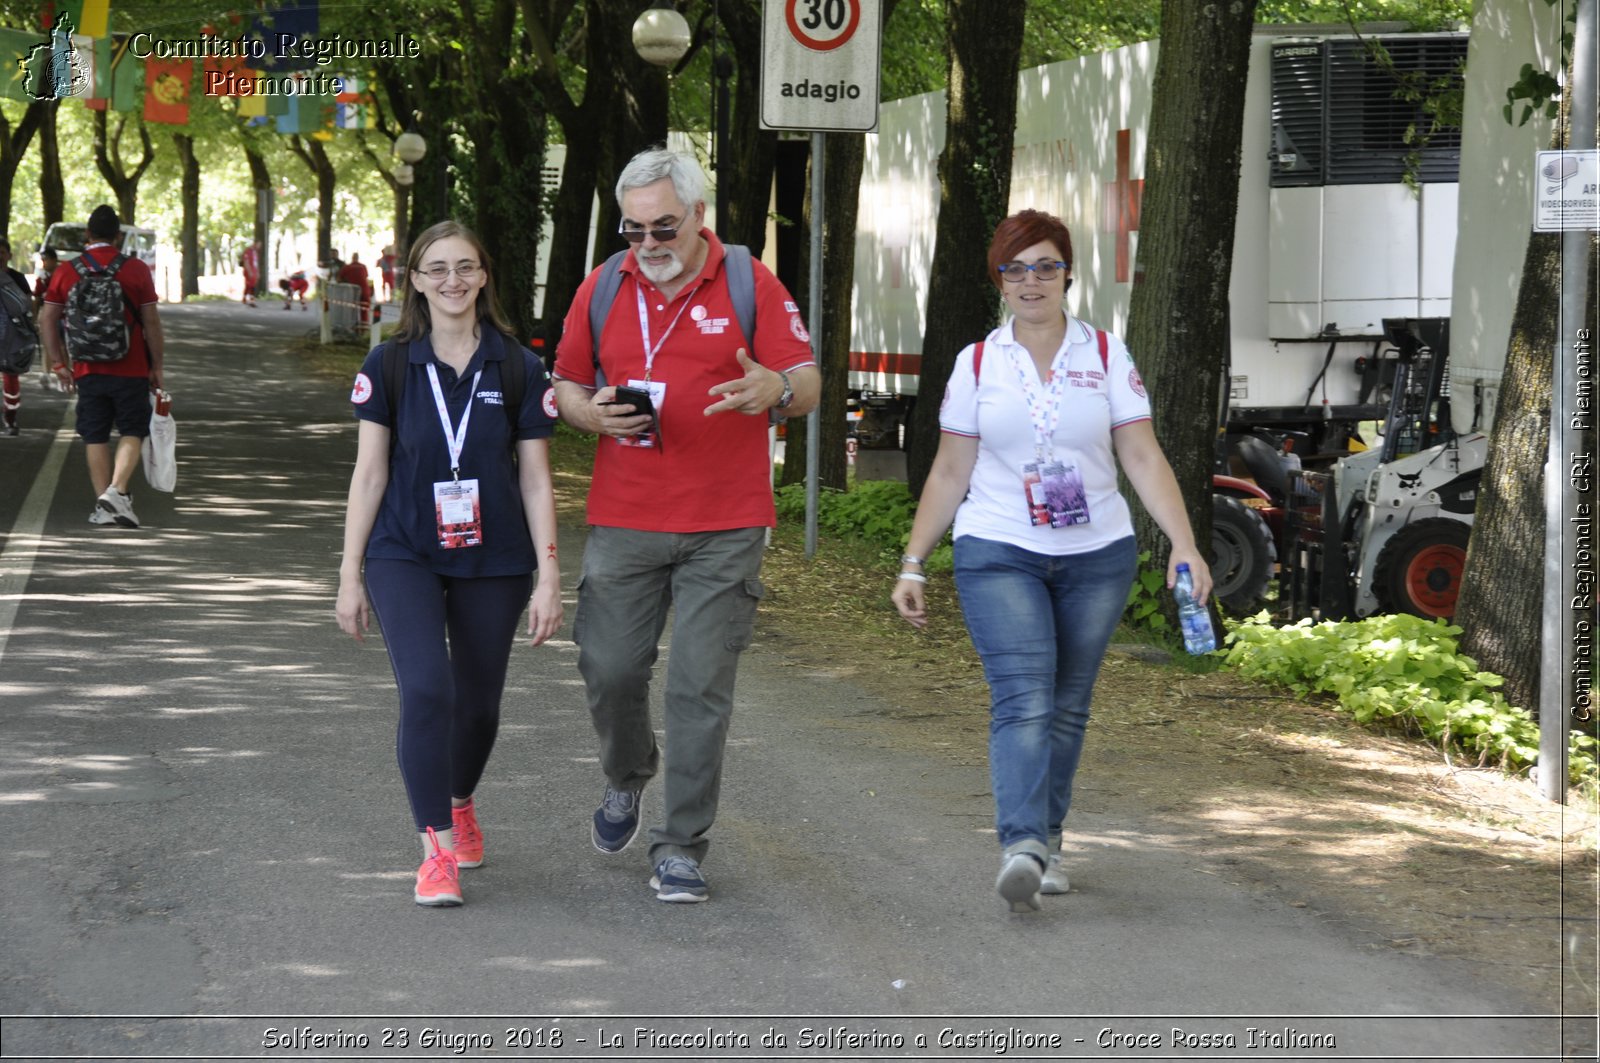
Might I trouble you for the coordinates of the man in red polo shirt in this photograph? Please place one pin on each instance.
(679, 505)
(109, 392)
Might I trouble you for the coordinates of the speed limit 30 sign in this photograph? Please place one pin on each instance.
(819, 65)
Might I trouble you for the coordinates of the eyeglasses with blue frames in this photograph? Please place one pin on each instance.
(661, 235)
(1016, 271)
(466, 271)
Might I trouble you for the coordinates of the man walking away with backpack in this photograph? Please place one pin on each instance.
(18, 339)
(116, 346)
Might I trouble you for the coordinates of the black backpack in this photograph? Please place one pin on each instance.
(97, 330)
(513, 385)
(19, 339)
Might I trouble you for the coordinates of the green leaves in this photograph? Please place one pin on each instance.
(1406, 669)
(1541, 91)
(1145, 610)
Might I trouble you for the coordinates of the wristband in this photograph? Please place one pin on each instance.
(911, 559)
(914, 577)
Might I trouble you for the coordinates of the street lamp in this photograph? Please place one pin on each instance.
(405, 174)
(409, 147)
(661, 36)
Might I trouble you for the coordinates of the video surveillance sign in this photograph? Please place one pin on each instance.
(819, 65)
(1568, 194)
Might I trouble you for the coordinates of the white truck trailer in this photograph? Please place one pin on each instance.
(1335, 231)
(1339, 304)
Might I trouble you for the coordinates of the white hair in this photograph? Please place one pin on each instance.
(654, 164)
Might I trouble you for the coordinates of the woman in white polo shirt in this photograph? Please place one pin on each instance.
(1035, 420)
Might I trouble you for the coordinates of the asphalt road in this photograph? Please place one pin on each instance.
(203, 819)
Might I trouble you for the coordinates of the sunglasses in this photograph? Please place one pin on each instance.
(636, 236)
(1015, 271)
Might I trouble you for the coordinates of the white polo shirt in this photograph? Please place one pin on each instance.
(994, 410)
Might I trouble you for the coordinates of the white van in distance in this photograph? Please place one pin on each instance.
(68, 239)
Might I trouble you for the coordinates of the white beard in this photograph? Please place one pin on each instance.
(661, 272)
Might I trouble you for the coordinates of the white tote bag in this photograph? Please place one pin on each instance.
(160, 449)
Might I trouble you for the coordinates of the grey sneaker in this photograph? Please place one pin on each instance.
(119, 505)
(678, 879)
(1055, 876)
(616, 821)
(1021, 871)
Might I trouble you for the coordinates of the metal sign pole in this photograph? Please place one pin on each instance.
(814, 419)
(1569, 619)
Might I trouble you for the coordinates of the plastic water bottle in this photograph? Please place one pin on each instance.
(1193, 616)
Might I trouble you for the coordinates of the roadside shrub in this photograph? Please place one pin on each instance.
(1405, 669)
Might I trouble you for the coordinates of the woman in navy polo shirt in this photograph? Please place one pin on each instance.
(446, 489)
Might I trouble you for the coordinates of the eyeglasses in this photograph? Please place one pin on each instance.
(1015, 271)
(660, 236)
(466, 271)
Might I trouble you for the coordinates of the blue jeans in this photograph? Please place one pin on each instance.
(1041, 624)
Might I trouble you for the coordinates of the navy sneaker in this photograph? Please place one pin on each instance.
(616, 821)
(678, 879)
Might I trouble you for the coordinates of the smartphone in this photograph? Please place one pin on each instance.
(638, 398)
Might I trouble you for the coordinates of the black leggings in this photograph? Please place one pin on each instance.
(449, 693)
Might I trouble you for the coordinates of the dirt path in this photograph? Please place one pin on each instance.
(1286, 797)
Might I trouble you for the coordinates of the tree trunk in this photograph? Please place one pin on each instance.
(13, 146)
(315, 156)
(844, 157)
(261, 187)
(52, 189)
(615, 118)
(509, 193)
(638, 117)
(569, 243)
(1501, 607)
(1502, 587)
(752, 151)
(430, 194)
(108, 159)
(985, 46)
(189, 230)
(1178, 321)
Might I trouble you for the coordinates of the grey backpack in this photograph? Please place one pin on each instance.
(19, 339)
(97, 331)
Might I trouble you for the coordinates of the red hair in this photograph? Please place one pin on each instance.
(1022, 230)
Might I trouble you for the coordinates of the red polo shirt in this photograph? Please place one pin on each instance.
(710, 473)
(140, 288)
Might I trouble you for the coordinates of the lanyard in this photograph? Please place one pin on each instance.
(1044, 410)
(456, 438)
(644, 329)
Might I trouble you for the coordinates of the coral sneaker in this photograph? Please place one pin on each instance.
(438, 881)
(466, 835)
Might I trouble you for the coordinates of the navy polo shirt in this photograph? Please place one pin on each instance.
(406, 526)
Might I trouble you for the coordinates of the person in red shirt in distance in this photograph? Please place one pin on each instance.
(354, 272)
(116, 392)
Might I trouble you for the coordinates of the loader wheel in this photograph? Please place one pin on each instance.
(1419, 569)
(1242, 555)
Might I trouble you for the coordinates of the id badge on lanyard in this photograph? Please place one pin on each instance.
(1053, 489)
(650, 439)
(1055, 494)
(459, 513)
(457, 506)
